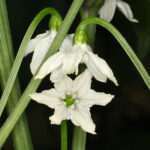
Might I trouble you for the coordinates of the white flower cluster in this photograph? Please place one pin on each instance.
(70, 99)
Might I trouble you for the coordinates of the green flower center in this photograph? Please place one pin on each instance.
(69, 100)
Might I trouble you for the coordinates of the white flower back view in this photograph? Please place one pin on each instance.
(40, 45)
(107, 11)
(67, 62)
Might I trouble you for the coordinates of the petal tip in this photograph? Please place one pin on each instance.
(33, 95)
(54, 120)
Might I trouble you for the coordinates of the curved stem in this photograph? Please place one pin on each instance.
(20, 54)
(33, 85)
(64, 135)
(137, 63)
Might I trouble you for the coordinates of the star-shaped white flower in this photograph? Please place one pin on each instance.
(40, 45)
(67, 62)
(72, 101)
(107, 11)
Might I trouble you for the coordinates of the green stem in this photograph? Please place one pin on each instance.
(91, 28)
(79, 136)
(33, 85)
(79, 139)
(64, 135)
(20, 55)
(20, 134)
(137, 63)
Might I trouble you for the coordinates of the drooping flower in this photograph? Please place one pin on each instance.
(72, 101)
(67, 62)
(40, 45)
(107, 11)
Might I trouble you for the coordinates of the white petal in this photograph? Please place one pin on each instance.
(64, 85)
(72, 60)
(126, 10)
(51, 98)
(82, 117)
(67, 43)
(99, 68)
(107, 11)
(33, 42)
(40, 51)
(90, 98)
(82, 82)
(61, 113)
(51, 63)
(57, 75)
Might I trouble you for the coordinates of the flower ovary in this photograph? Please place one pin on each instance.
(69, 100)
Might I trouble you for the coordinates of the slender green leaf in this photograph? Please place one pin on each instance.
(33, 85)
(20, 134)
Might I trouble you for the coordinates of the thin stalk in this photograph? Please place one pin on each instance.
(20, 135)
(79, 139)
(79, 136)
(64, 135)
(33, 85)
(20, 55)
(119, 37)
(91, 11)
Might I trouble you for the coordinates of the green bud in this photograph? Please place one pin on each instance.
(69, 101)
(80, 37)
(55, 22)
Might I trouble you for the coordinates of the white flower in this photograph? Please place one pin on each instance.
(72, 100)
(107, 11)
(40, 45)
(67, 62)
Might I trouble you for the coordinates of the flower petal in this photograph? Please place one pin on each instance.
(51, 98)
(81, 117)
(82, 82)
(90, 98)
(57, 75)
(33, 42)
(107, 11)
(51, 63)
(126, 10)
(61, 113)
(64, 85)
(40, 51)
(67, 43)
(72, 60)
(99, 68)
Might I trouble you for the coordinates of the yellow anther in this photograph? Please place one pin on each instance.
(76, 73)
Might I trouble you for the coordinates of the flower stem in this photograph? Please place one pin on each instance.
(79, 139)
(64, 135)
(137, 63)
(79, 136)
(33, 85)
(20, 135)
(91, 28)
(20, 55)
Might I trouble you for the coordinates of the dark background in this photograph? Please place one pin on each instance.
(124, 124)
